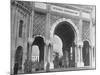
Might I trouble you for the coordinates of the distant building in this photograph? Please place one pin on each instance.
(35, 53)
(35, 58)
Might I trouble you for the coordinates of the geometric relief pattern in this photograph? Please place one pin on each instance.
(53, 19)
(39, 23)
(76, 22)
(86, 30)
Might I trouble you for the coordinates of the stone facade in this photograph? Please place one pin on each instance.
(39, 20)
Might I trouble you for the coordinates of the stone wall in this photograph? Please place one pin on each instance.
(86, 31)
(19, 13)
(54, 18)
(39, 23)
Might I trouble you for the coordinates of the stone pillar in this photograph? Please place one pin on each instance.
(30, 51)
(76, 55)
(47, 35)
(49, 50)
(51, 57)
(92, 60)
(80, 57)
(91, 49)
(80, 44)
(45, 55)
(48, 55)
(92, 36)
(30, 39)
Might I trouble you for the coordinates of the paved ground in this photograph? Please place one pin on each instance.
(63, 69)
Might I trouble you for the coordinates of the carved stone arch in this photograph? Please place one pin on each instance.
(77, 37)
(88, 42)
(18, 59)
(67, 45)
(19, 49)
(38, 36)
(39, 40)
(86, 52)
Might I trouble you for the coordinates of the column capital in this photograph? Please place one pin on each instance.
(80, 44)
(48, 42)
(30, 40)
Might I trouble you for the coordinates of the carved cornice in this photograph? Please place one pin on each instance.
(25, 6)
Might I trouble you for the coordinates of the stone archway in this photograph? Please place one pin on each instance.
(86, 54)
(77, 36)
(39, 42)
(69, 34)
(18, 59)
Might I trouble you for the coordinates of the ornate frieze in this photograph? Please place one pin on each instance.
(22, 5)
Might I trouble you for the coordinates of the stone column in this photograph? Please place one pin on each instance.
(76, 55)
(30, 49)
(47, 35)
(49, 50)
(45, 55)
(51, 57)
(80, 44)
(92, 36)
(91, 49)
(30, 39)
(80, 57)
(92, 60)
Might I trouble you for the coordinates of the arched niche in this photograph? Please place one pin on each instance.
(85, 52)
(18, 59)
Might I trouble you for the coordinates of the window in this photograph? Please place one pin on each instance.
(20, 28)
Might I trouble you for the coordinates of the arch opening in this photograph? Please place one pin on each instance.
(38, 53)
(85, 52)
(39, 42)
(18, 59)
(66, 33)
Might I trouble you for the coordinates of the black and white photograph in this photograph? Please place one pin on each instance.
(52, 37)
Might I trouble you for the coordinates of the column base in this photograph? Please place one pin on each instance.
(51, 65)
(93, 64)
(80, 64)
(45, 64)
